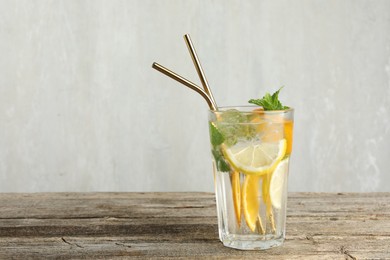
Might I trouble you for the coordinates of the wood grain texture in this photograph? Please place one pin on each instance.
(184, 225)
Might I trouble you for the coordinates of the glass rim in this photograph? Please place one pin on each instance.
(224, 109)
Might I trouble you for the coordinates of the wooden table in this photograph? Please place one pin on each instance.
(153, 225)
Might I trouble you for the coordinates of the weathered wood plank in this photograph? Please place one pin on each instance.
(70, 247)
(184, 227)
(79, 205)
(180, 225)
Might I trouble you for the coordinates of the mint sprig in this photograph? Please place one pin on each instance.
(269, 102)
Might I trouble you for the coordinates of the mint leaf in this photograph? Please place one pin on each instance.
(216, 138)
(269, 102)
(220, 162)
(223, 166)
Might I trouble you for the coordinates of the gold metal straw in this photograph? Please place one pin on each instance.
(186, 82)
(198, 67)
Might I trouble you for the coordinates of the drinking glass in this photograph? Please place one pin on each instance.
(251, 151)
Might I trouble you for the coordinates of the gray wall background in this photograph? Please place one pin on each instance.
(81, 109)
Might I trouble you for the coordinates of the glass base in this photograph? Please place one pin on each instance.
(248, 242)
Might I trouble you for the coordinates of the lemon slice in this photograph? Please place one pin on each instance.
(236, 190)
(255, 158)
(250, 200)
(278, 179)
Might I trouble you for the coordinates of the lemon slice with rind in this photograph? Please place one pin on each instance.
(255, 158)
(250, 200)
(236, 190)
(278, 180)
